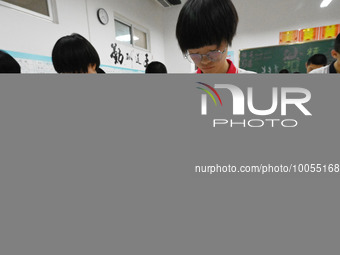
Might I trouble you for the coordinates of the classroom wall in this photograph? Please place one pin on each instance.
(26, 33)
(173, 56)
(29, 34)
(147, 14)
(262, 21)
(260, 24)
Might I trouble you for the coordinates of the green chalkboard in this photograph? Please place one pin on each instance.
(292, 57)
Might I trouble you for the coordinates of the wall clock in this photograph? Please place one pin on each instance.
(103, 17)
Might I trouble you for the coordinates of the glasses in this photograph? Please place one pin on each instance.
(213, 56)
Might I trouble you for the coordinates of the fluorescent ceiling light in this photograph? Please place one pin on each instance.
(325, 3)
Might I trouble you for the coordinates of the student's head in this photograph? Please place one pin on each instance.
(8, 64)
(99, 70)
(284, 71)
(316, 61)
(74, 54)
(336, 51)
(207, 27)
(156, 67)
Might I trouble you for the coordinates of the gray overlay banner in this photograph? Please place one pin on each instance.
(105, 164)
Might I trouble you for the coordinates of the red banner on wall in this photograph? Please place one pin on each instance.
(329, 31)
(309, 34)
(289, 36)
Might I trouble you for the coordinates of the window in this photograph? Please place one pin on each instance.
(40, 8)
(140, 38)
(128, 33)
(123, 32)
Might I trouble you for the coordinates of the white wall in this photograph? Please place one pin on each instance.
(26, 33)
(173, 56)
(148, 14)
(260, 24)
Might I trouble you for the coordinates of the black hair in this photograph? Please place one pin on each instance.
(156, 67)
(73, 54)
(8, 64)
(206, 22)
(284, 71)
(317, 59)
(99, 70)
(337, 44)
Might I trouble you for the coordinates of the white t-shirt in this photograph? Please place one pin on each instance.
(324, 69)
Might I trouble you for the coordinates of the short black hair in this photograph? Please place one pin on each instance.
(156, 67)
(8, 64)
(337, 44)
(73, 54)
(317, 59)
(99, 70)
(284, 71)
(206, 22)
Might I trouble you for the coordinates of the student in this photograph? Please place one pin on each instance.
(335, 66)
(284, 71)
(8, 64)
(156, 67)
(74, 54)
(316, 61)
(99, 70)
(205, 29)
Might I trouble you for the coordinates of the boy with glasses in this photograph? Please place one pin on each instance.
(205, 29)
